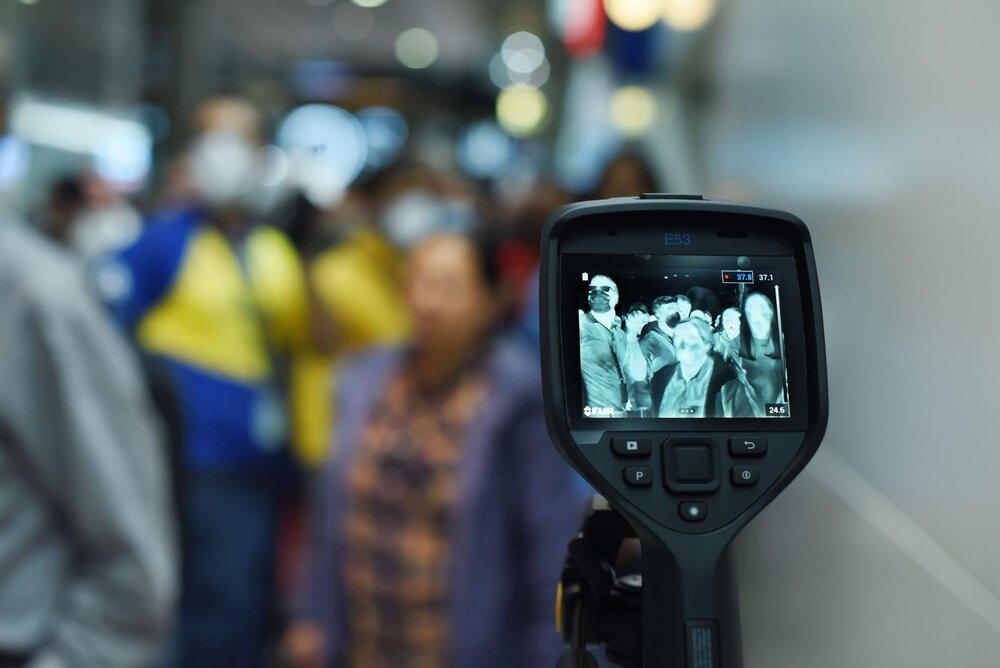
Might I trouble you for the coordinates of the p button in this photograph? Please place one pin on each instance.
(638, 476)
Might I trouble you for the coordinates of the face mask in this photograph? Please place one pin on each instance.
(411, 218)
(222, 168)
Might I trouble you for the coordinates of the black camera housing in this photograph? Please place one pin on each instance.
(687, 586)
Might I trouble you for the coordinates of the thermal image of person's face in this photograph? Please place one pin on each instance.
(760, 316)
(683, 307)
(690, 346)
(731, 323)
(667, 314)
(602, 294)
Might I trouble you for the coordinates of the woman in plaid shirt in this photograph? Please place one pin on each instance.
(445, 512)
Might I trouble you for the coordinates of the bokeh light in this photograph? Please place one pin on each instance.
(504, 77)
(634, 15)
(387, 131)
(124, 159)
(353, 23)
(484, 151)
(327, 147)
(369, 3)
(523, 52)
(688, 15)
(521, 110)
(14, 157)
(633, 110)
(275, 168)
(416, 48)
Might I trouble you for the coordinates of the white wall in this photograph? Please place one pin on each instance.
(878, 122)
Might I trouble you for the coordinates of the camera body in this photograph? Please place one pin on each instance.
(693, 243)
(685, 378)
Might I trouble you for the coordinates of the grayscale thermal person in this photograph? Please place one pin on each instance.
(610, 356)
(760, 373)
(690, 387)
(727, 336)
(657, 342)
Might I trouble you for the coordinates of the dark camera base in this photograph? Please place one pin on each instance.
(682, 612)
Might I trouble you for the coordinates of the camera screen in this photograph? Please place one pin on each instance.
(681, 337)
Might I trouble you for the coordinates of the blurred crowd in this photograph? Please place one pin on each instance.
(303, 434)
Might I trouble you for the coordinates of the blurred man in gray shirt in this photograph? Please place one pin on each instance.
(87, 553)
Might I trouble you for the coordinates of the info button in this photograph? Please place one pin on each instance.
(624, 446)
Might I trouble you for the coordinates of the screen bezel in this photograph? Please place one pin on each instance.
(570, 267)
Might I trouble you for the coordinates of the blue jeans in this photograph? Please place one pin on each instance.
(229, 531)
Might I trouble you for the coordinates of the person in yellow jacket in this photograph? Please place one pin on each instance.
(359, 283)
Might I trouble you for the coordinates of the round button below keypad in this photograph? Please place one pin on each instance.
(693, 511)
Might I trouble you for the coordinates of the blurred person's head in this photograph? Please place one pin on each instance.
(684, 306)
(229, 114)
(456, 295)
(221, 166)
(602, 294)
(760, 326)
(627, 174)
(66, 201)
(223, 160)
(692, 344)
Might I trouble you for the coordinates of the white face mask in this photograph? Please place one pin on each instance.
(222, 167)
(410, 218)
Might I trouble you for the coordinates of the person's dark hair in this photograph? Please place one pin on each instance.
(638, 306)
(489, 250)
(746, 336)
(660, 301)
(647, 176)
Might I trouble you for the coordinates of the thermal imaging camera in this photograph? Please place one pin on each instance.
(685, 379)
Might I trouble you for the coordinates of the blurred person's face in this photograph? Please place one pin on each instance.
(221, 168)
(684, 307)
(690, 347)
(452, 306)
(602, 294)
(760, 316)
(731, 323)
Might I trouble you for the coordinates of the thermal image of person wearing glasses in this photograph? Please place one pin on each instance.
(610, 356)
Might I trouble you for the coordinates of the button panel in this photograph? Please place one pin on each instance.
(676, 465)
(638, 476)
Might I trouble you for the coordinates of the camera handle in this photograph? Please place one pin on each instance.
(690, 603)
(687, 605)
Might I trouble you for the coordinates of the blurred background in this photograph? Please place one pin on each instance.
(329, 120)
